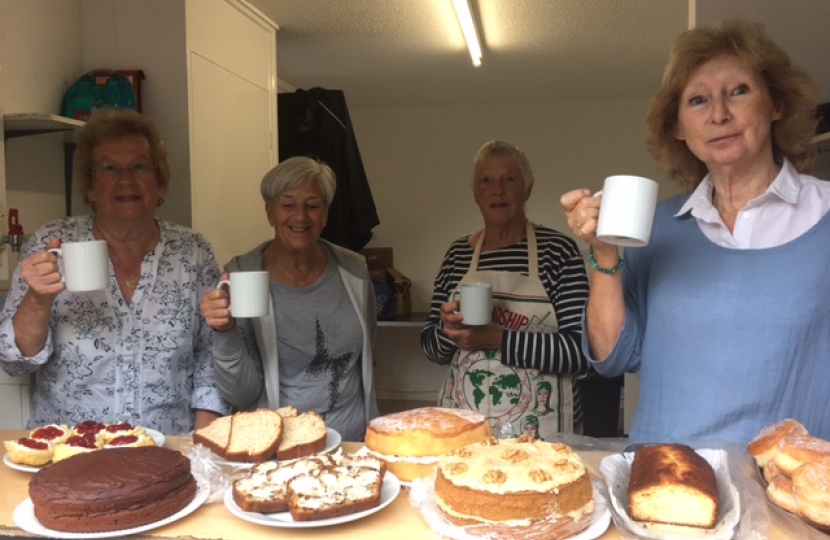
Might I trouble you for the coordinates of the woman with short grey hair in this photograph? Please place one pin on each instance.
(314, 349)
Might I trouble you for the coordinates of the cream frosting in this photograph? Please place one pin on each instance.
(512, 465)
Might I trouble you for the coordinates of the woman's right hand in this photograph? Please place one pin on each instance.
(40, 272)
(216, 309)
(582, 211)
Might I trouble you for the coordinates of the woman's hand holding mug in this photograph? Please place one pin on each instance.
(621, 214)
(216, 308)
(467, 320)
(40, 272)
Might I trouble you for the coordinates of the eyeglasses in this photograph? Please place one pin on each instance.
(140, 170)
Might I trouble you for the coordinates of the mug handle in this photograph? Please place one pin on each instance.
(57, 252)
(222, 283)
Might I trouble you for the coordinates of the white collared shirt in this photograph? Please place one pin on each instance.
(792, 204)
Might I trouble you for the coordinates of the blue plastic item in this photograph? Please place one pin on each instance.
(95, 90)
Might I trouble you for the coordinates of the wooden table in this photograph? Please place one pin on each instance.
(213, 521)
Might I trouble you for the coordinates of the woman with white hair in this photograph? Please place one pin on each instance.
(314, 349)
(539, 288)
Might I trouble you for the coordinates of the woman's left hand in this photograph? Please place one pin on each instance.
(469, 338)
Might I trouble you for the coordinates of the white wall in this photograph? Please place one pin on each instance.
(418, 161)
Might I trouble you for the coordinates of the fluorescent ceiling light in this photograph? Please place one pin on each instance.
(468, 27)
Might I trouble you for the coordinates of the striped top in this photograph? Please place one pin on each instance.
(562, 271)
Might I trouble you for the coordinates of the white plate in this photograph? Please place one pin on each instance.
(332, 441)
(19, 466)
(24, 517)
(388, 492)
(616, 469)
(157, 436)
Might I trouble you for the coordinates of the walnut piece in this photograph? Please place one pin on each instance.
(495, 476)
(565, 465)
(514, 456)
(456, 468)
(540, 476)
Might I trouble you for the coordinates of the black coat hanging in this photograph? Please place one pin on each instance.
(315, 123)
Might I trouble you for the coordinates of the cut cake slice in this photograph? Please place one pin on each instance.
(255, 436)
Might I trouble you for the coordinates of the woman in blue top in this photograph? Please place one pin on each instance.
(725, 313)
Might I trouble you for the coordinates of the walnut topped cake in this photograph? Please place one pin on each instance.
(512, 481)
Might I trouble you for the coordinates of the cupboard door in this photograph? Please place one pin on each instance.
(230, 152)
(232, 65)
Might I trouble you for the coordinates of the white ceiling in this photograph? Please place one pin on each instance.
(411, 52)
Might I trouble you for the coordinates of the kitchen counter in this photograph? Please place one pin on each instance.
(214, 521)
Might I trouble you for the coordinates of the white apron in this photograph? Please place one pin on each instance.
(529, 401)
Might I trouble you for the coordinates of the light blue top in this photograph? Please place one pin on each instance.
(726, 341)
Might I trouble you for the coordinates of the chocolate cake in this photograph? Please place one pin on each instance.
(113, 489)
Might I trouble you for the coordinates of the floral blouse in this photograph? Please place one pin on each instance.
(148, 363)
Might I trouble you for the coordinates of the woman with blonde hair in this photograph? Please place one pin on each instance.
(724, 314)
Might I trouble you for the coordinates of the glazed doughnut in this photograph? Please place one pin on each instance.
(795, 450)
(765, 445)
(780, 491)
(811, 484)
(771, 470)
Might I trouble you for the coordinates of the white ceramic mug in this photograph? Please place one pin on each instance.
(250, 293)
(627, 210)
(476, 303)
(86, 265)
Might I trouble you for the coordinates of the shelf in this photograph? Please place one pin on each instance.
(48, 125)
(29, 124)
(415, 319)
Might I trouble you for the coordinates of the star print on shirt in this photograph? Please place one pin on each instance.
(326, 364)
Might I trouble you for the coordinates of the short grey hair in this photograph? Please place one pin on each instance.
(497, 148)
(296, 171)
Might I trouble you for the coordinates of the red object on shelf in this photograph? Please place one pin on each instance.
(14, 224)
